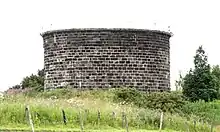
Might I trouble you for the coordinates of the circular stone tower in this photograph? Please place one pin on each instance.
(107, 58)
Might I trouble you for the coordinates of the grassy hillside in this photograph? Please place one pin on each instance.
(102, 110)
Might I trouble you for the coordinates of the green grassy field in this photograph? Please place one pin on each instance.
(92, 110)
(78, 130)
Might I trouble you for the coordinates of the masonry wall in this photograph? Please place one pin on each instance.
(106, 58)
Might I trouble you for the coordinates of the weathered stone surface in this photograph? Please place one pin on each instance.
(103, 58)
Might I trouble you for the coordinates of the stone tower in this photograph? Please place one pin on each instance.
(106, 58)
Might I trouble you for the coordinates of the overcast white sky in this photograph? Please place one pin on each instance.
(193, 23)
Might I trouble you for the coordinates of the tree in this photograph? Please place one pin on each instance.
(16, 86)
(34, 81)
(31, 81)
(216, 74)
(200, 84)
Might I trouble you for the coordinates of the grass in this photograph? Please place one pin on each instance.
(83, 106)
(78, 130)
(209, 111)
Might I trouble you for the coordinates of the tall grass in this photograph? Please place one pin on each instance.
(206, 111)
(83, 107)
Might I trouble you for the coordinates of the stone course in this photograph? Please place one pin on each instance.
(106, 58)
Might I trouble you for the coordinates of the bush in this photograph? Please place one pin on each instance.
(165, 101)
(128, 95)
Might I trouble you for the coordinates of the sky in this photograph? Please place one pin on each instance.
(192, 22)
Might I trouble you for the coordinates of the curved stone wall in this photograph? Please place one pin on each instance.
(104, 58)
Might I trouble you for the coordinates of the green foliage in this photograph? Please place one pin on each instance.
(216, 74)
(31, 81)
(47, 113)
(128, 95)
(16, 87)
(34, 82)
(67, 93)
(165, 101)
(200, 84)
(206, 111)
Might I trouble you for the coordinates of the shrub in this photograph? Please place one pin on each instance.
(165, 101)
(128, 95)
